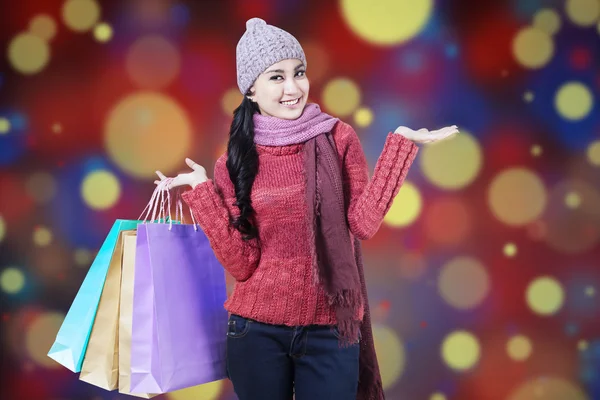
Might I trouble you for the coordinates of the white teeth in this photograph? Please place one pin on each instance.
(290, 103)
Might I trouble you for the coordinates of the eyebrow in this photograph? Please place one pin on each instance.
(280, 71)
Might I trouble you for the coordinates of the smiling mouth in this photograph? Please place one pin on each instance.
(291, 102)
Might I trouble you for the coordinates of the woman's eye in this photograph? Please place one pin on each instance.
(276, 77)
(301, 73)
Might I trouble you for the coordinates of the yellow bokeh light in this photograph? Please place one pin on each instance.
(80, 15)
(528, 96)
(83, 257)
(390, 354)
(573, 101)
(12, 280)
(43, 26)
(463, 283)
(582, 345)
(593, 153)
(153, 62)
(440, 165)
(590, 291)
(583, 12)
(363, 117)
(4, 125)
(547, 387)
(532, 47)
(386, 22)
(146, 132)
(510, 250)
(519, 347)
(56, 128)
(41, 186)
(545, 296)
(438, 396)
(318, 60)
(573, 200)
(536, 150)
(40, 336)
(517, 196)
(103, 32)
(230, 101)
(42, 236)
(460, 350)
(406, 206)
(208, 391)
(547, 20)
(100, 189)
(341, 96)
(2, 228)
(28, 53)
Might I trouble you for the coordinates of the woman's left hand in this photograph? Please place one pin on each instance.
(425, 136)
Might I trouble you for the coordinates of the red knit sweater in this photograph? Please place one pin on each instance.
(274, 281)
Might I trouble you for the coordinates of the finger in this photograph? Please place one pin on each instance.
(193, 165)
(161, 176)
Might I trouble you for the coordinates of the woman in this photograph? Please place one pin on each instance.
(289, 203)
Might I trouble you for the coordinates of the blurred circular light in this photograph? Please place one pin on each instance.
(406, 206)
(146, 132)
(28, 53)
(100, 189)
(536, 150)
(386, 22)
(510, 250)
(438, 396)
(517, 196)
(103, 32)
(231, 100)
(582, 345)
(593, 153)
(547, 20)
(12, 280)
(80, 15)
(363, 117)
(545, 296)
(532, 47)
(43, 26)
(390, 354)
(528, 96)
(208, 391)
(573, 101)
(461, 350)
(463, 283)
(583, 12)
(41, 186)
(83, 257)
(4, 125)
(40, 336)
(341, 96)
(153, 62)
(2, 228)
(519, 348)
(439, 161)
(42, 236)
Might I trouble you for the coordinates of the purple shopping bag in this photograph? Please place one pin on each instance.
(179, 323)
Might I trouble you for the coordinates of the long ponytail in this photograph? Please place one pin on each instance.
(242, 164)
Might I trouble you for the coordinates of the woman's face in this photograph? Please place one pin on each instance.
(282, 90)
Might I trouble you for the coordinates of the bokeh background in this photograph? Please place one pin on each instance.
(484, 278)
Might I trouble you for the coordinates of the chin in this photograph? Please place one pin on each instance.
(292, 113)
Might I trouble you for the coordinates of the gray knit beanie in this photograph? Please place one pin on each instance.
(260, 47)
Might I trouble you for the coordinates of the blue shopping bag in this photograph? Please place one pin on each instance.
(73, 336)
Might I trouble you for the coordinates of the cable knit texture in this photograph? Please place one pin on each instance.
(274, 281)
(261, 46)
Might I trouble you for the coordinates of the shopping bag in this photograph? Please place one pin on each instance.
(179, 321)
(126, 315)
(71, 340)
(100, 364)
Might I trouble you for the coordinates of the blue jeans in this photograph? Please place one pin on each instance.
(271, 362)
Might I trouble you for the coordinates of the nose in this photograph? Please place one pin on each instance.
(290, 87)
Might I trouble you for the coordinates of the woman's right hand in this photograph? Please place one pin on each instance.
(194, 178)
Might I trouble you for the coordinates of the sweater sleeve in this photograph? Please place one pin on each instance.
(212, 203)
(368, 201)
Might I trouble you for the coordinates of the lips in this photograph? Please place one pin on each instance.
(290, 102)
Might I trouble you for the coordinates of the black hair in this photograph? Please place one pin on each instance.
(242, 164)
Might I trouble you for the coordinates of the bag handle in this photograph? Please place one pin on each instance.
(159, 205)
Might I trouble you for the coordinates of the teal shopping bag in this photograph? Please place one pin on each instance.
(73, 336)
